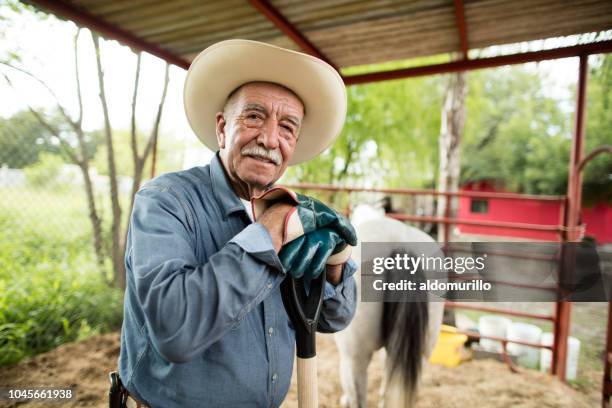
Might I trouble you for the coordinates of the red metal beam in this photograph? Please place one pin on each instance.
(508, 312)
(594, 153)
(480, 63)
(413, 191)
(272, 14)
(479, 223)
(475, 335)
(462, 28)
(84, 18)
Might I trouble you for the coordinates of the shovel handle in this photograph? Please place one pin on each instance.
(308, 393)
(304, 311)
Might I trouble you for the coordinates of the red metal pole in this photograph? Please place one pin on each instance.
(562, 321)
(572, 219)
(447, 213)
(461, 27)
(290, 30)
(574, 184)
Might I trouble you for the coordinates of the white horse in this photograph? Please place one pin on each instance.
(407, 330)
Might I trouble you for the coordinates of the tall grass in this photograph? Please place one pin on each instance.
(51, 290)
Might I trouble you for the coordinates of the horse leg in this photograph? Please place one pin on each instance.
(436, 314)
(383, 380)
(354, 379)
(356, 344)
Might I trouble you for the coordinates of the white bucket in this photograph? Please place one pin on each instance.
(573, 352)
(491, 325)
(527, 356)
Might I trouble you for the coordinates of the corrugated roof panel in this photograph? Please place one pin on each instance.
(312, 15)
(493, 22)
(109, 7)
(352, 32)
(247, 21)
(426, 32)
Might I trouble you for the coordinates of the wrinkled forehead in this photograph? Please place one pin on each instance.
(236, 93)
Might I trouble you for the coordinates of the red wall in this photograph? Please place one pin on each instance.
(598, 219)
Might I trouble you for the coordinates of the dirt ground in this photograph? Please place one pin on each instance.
(484, 383)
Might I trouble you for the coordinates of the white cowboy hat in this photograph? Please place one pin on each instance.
(224, 66)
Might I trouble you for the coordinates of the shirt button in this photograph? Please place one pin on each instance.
(270, 331)
(274, 376)
(270, 286)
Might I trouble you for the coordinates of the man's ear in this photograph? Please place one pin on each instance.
(220, 129)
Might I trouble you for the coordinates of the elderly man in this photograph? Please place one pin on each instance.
(204, 322)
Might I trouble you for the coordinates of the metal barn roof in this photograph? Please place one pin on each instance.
(344, 32)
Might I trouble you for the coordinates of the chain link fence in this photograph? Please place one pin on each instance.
(53, 289)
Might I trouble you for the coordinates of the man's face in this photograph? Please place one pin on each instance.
(257, 134)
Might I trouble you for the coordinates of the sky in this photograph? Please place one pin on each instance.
(46, 48)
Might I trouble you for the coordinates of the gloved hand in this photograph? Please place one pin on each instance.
(309, 215)
(307, 255)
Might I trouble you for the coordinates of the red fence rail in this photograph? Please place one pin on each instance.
(560, 324)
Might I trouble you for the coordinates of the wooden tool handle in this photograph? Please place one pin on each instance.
(308, 393)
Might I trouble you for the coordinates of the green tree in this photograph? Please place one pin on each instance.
(168, 155)
(517, 133)
(597, 183)
(45, 171)
(23, 139)
(389, 138)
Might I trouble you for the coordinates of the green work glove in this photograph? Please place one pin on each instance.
(306, 256)
(308, 215)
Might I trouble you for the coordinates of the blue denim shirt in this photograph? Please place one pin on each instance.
(204, 322)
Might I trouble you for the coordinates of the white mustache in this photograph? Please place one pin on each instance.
(256, 150)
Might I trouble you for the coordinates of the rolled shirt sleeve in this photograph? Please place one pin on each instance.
(190, 305)
(340, 301)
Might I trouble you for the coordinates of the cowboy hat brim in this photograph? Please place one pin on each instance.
(224, 66)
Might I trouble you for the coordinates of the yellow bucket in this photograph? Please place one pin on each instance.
(448, 348)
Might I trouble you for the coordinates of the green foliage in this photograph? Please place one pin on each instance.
(45, 171)
(22, 140)
(52, 291)
(597, 184)
(511, 126)
(168, 155)
(390, 132)
(20, 7)
(517, 133)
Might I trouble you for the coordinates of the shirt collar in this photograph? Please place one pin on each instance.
(222, 189)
